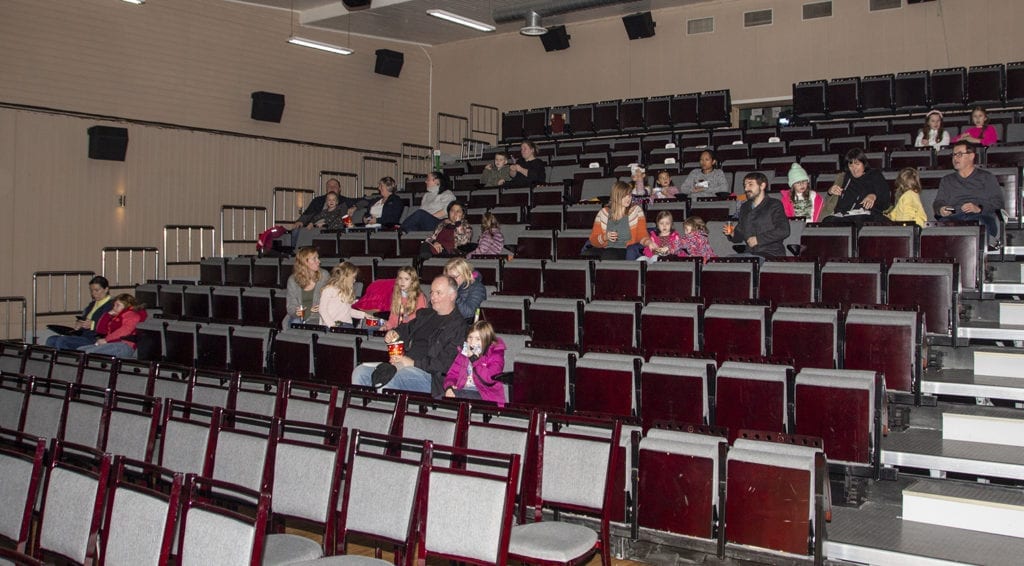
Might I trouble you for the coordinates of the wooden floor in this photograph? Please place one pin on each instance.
(365, 551)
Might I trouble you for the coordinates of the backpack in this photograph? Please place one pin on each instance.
(265, 241)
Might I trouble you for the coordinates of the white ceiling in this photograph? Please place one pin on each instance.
(407, 20)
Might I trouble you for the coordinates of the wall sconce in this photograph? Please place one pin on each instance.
(122, 201)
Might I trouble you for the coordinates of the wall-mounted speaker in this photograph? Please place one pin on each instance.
(639, 26)
(389, 62)
(107, 143)
(267, 106)
(356, 4)
(555, 39)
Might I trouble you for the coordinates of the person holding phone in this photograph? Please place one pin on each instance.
(970, 194)
(86, 328)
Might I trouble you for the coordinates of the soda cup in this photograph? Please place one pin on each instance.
(347, 219)
(396, 349)
(301, 312)
(372, 322)
(730, 227)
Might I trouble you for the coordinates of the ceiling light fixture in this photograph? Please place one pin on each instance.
(135, 1)
(461, 20)
(533, 25)
(294, 40)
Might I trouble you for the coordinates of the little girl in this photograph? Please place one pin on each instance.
(663, 187)
(908, 198)
(695, 239)
(663, 241)
(639, 193)
(338, 295)
(472, 373)
(492, 241)
(406, 299)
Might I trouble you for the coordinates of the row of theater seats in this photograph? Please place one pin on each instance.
(251, 437)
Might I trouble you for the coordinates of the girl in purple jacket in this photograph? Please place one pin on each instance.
(472, 373)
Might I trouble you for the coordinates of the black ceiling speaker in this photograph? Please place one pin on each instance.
(267, 106)
(555, 39)
(356, 4)
(639, 26)
(107, 143)
(389, 62)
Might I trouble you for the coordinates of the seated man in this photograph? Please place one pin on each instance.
(970, 194)
(432, 340)
(762, 223)
(315, 207)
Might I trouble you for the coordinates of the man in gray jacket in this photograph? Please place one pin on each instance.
(970, 194)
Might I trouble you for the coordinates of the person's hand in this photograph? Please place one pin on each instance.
(868, 202)
(698, 188)
(946, 211)
(369, 220)
(613, 236)
(752, 242)
(101, 341)
(662, 250)
(449, 393)
(320, 224)
(489, 167)
(437, 247)
(351, 210)
(501, 181)
(79, 324)
(835, 190)
(314, 308)
(310, 225)
(970, 208)
(295, 225)
(391, 336)
(402, 362)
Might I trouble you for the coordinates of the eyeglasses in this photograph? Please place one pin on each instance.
(961, 153)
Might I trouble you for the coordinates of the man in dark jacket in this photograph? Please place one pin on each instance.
(431, 342)
(762, 224)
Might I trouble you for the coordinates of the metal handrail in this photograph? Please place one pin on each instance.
(416, 159)
(345, 176)
(389, 163)
(24, 316)
(64, 276)
(116, 251)
(451, 129)
(293, 202)
(246, 235)
(195, 235)
(484, 120)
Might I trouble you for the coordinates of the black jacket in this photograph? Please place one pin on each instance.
(767, 222)
(432, 341)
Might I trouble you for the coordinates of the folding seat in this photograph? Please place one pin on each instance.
(148, 294)
(383, 243)
(212, 342)
(542, 378)
(824, 241)
(673, 467)
(131, 426)
(713, 208)
(886, 243)
(239, 271)
(870, 128)
(86, 410)
(38, 361)
(823, 181)
(964, 243)
(325, 243)
(732, 152)
(851, 282)
(74, 496)
(130, 505)
(673, 280)
(784, 282)
(245, 451)
(581, 216)
(576, 472)
(188, 433)
(890, 142)
(843, 408)
(523, 277)
(737, 330)
(506, 313)
(790, 134)
(760, 135)
(334, 358)
(257, 395)
(570, 242)
(598, 188)
(723, 136)
(256, 307)
(388, 268)
(804, 147)
(830, 129)
(365, 267)
(729, 279)
(887, 341)
(98, 371)
(306, 402)
(239, 537)
(171, 381)
(752, 396)
(21, 464)
(226, 305)
(778, 166)
(213, 388)
(14, 392)
(180, 342)
(757, 513)
(685, 321)
(678, 209)
(607, 384)
(556, 323)
(569, 278)
(171, 300)
(839, 146)
(266, 272)
(916, 158)
(132, 376)
(610, 326)
(370, 412)
(44, 408)
(739, 167)
(618, 280)
(482, 199)
(691, 153)
(932, 286)
(431, 268)
(149, 340)
(806, 334)
(292, 352)
(409, 243)
(536, 244)
(249, 349)
(67, 366)
(211, 270)
(1005, 156)
(675, 390)
(441, 422)
(657, 156)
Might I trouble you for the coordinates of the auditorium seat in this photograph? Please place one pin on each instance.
(886, 243)
(673, 280)
(226, 305)
(916, 158)
(889, 142)
(824, 241)
(555, 323)
(931, 286)
(729, 279)
(843, 408)
(713, 208)
(506, 313)
(250, 348)
(610, 326)
(542, 377)
(266, 272)
(212, 346)
(581, 216)
(256, 307)
(964, 243)
(781, 281)
(752, 396)
(800, 148)
(685, 321)
(807, 334)
(180, 342)
(387, 268)
(735, 330)
(607, 384)
(851, 282)
(675, 390)
(887, 341)
(523, 276)
(568, 278)
(211, 270)
(334, 358)
(618, 280)
(537, 244)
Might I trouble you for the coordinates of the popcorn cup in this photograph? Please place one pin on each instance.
(396, 349)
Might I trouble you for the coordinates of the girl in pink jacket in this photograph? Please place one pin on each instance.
(472, 373)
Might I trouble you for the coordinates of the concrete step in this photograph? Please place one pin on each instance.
(1000, 362)
(975, 507)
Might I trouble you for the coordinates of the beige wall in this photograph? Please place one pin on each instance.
(755, 63)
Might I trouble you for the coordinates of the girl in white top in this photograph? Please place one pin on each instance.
(932, 134)
(338, 295)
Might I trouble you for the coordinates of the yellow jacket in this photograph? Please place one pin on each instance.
(909, 208)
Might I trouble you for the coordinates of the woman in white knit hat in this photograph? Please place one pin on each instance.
(799, 200)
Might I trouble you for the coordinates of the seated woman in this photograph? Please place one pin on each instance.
(338, 295)
(472, 373)
(332, 217)
(497, 173)
(452, 237)
(799, 200)
(932, 134)
(386, 209)
(529, 171)
(86, 323)
(864, 194)
(304, 287)
(706, 180)
(619, 228)
(433, 204)
(908, 198)
(471, 289)
(982, 133)
(118, 329)
(406, 299)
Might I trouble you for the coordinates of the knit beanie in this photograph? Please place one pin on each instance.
(797, 174)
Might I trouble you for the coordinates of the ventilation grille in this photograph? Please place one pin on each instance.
(700, 25)
(758, 18)
(877, 5)
(816, 10)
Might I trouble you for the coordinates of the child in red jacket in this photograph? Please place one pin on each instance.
(117, 328)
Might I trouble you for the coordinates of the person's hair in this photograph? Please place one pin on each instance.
(619, 191)
(710, 152)
(302, 274)
(462, 267)
(971, 147)
(452, 284)
(908, 179)
(501, 153)
(926, 128)
(101, 281)
(984, 113)
(489, 223)
(532, 146)
(455, 203)
(662, 215)
(129, 301)
(857, 154)
(757, 177)
(443, 182)
(792, 190)
(406, 304)
(486, 334)
(663, 172)
(389, 182)
(343, 277)
(328, 182)
(696, 223)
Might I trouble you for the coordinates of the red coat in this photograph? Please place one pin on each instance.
(120, 327)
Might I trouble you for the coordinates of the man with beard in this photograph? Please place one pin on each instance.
(762, 224)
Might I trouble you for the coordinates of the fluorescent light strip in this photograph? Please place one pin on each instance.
(319, 45)
(135, 1)
(461, 20)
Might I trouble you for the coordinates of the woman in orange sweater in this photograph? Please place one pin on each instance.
(619, 228)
